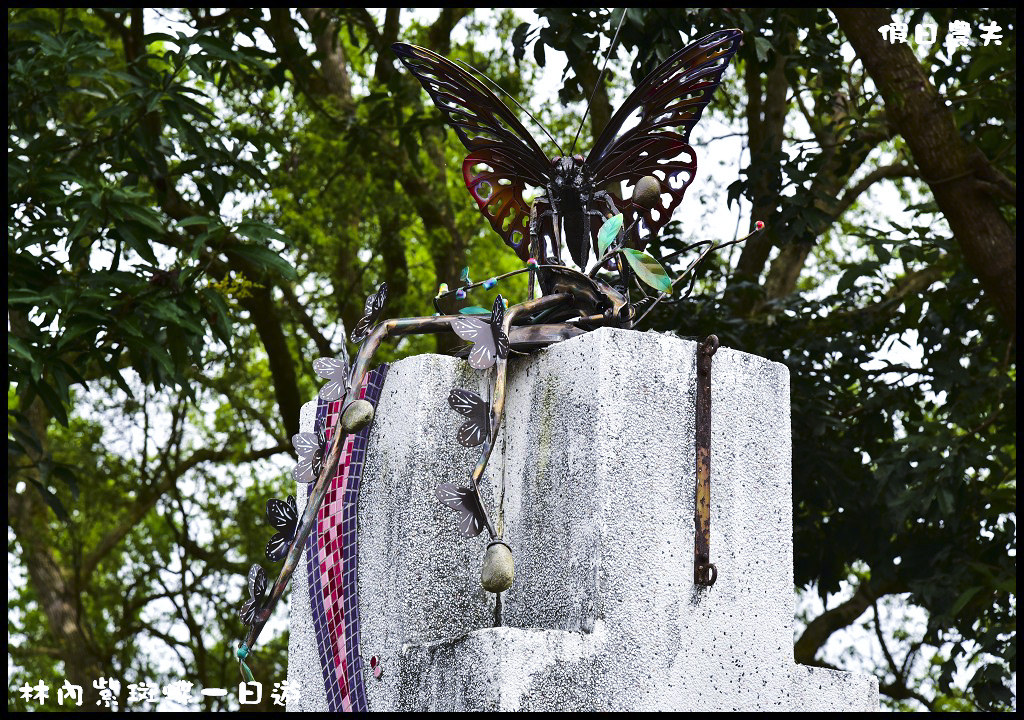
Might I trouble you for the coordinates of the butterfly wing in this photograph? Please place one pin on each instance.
(497, 333)
(375, 302)
(668, 103)
(371, 311)
(503, 156)
(257, 582)
(282, 515)
(474, 431)
(278, 546)
(306, 446)
(336, 372)
(463, 501)
(470, 329)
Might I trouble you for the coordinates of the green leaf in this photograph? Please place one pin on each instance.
(52, 402)
(265, 259)
(965, 597)
(194, 220)
(763, 47)
(648, 269)
(609, 231)
(157, 353)
(52, 500)
(19, 347)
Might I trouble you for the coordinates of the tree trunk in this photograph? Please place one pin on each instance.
(959, 175)
(54, 585)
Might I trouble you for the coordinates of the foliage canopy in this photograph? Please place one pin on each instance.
(195, 213)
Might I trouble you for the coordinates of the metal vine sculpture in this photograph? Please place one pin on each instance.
(644, 149)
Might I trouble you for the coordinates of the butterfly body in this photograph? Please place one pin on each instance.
(571, 202)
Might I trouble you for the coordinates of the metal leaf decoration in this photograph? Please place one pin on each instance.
(463, 501)
(609, 231)
(648, 269)
(311, 449)
(475, 430)
(489, 341)
(336, 372)
(283, 516)
(371, 311)
(257, 589)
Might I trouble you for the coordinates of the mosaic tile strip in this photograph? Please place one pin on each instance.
(332, 554)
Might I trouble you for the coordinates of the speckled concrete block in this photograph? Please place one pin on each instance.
(593, 480)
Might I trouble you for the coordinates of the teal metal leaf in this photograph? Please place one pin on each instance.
(609, 231)
(474, 310)
(648, 269)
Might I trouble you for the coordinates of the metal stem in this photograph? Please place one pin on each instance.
(498, 403)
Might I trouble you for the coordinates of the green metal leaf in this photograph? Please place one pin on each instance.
(648, 269)
(474, 310)
(609, 231)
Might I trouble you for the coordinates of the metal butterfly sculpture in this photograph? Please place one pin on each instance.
(310, 448)
(475, 408)
(283, 517)
(645, 148)
(257, 583)
(371, 311)
(489, 341)
(504, 158)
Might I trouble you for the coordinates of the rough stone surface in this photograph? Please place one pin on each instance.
(592, 480)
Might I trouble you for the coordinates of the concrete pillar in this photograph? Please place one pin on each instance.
(593, 481)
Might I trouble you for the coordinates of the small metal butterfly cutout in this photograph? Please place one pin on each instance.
(489, 340)
(336, 372)
(371, 311)
(475, 430)
(257, 589)
(311, 448)
(283, 516)
(463, 501)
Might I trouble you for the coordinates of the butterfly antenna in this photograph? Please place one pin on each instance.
(502, 90)
(598, 83)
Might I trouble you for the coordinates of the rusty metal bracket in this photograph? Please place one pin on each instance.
(704, 571)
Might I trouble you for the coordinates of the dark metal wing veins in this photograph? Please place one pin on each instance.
(668, 103)
(463, 502)
(283, 516)
(503, 156)
(371, 311)
(489, 341)
(257, 582)
(497, 319)
(311, 449)
(475, 430)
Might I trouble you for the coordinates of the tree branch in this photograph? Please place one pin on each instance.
(819, 630)
(147, 501)
(884, 172)
(323, 345)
